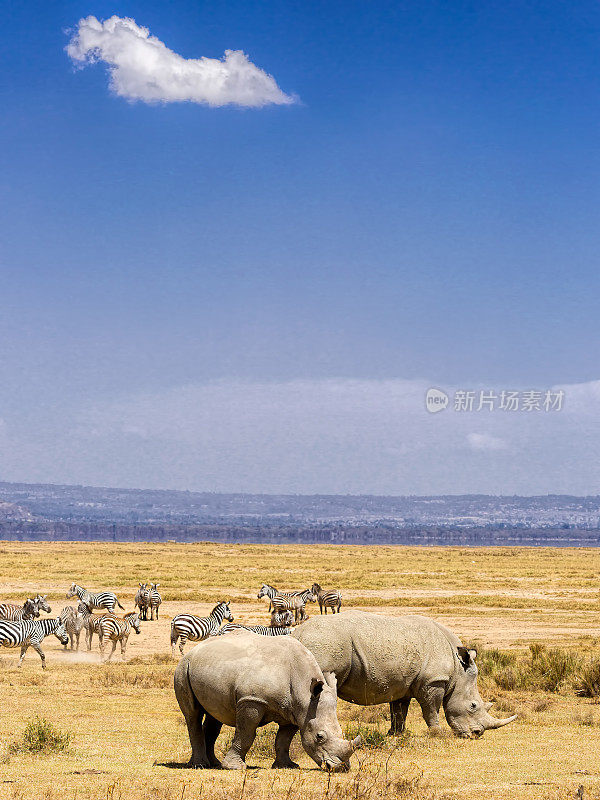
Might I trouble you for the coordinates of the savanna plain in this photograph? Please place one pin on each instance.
(84, 729)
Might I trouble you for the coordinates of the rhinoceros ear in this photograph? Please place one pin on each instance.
(316, 687)
(473, 654)
(464, 657)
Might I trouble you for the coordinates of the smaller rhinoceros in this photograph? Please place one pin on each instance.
(247, 681)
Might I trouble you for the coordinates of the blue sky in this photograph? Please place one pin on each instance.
(427, 211)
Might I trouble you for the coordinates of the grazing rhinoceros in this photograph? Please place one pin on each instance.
(379, 659)
(246, 681)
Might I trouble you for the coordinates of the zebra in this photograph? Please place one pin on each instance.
(117, 630)
(297, 604)
(331, 599)
(74, 622)
(154, 599)
(141, 600)
(282, 619)
(188, 626)
(263, 630)
(14, 613)
(106, 600)
(91, 623)
(31, 632)
(42, 602)
(271, 592)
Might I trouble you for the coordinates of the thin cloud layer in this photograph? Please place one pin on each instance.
(141, 67)
(331, 436)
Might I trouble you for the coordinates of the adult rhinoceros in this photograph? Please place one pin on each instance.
(379, 659)
(246, 681)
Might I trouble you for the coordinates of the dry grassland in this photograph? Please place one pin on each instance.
(128, 737)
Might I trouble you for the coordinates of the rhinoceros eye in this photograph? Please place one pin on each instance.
(473, 707)
(321, 736)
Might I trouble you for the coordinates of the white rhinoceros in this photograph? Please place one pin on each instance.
(378, 659)
(247, 681)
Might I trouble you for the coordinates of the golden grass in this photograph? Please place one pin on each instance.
(128, 733)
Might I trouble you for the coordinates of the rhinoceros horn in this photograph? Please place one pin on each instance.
(350, 747)
(487, 706)
(491, 723)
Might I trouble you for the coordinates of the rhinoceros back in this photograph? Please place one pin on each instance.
(377, 658)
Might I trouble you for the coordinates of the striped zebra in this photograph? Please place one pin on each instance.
(31, 632)
(282, 619)
(154, 599)
(263, 630)
(91, 623)
(331, 599)
(106, 600)
(297, 604)
(141, 600)
(117, 630)
(14, 613)
(188, 626)
(271, 592)
(42, 602)
(73, 621)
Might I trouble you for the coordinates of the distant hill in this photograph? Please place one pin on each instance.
(10, 512)
(47, 512)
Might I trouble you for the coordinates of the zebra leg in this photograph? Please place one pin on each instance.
(182, 641)
(398, 712)
(40, 652)
(325, 607)
(24, 647)
(112, 652)
(211, 729)
(249, 714)
(283, 740)
(174, 637)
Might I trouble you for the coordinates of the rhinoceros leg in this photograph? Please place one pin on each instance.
(283, 740)
(248, 716)
(430, 699)
(398, 712)
(211, 728)
(193, 713)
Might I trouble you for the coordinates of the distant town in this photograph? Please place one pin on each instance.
(32, 512)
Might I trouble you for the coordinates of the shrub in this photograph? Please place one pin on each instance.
(588, 681)
(551, 668)
(41, 736)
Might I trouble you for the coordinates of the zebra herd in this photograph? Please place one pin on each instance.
(21, 625)
(286, 608)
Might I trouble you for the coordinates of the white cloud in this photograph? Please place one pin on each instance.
(141, 67)
(483, 441)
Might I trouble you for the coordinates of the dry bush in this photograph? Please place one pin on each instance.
(42, 738)
(588, 680)
(548, 669)
(586, 718)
